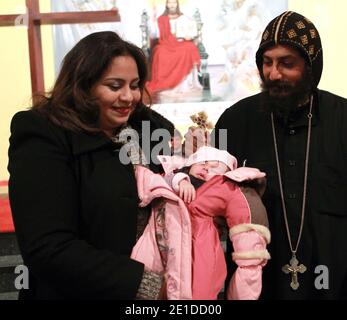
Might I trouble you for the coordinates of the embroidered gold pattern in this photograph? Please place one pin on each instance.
(300, 25)
(265, 35)
(313, 33)
(304, 39)
(291, 33)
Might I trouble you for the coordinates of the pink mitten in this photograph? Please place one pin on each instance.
(250, 254)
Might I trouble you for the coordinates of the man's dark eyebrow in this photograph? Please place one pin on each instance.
(280, 58)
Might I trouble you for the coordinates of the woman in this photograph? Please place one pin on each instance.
(74, 202)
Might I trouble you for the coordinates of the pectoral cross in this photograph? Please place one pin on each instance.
(293, 267)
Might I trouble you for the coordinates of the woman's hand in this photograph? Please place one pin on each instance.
(163, 290)
(186, 191)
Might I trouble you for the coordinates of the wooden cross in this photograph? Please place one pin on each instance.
(293, 267)
(35, 19)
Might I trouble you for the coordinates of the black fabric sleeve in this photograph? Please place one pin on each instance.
(44, 199)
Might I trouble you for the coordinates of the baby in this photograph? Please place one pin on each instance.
(212, 186)
(200, 167)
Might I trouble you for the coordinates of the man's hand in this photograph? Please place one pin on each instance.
(186, 191)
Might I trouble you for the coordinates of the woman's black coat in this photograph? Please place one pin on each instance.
(75, 210)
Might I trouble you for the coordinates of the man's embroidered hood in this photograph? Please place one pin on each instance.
(293, 29)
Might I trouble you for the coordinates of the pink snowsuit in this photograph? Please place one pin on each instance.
(193, 259)
(247, 220)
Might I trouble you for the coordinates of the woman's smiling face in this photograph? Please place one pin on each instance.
(117, 93)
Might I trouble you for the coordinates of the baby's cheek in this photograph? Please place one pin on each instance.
(218, 170)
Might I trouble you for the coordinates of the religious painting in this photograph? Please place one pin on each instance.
(201, 55)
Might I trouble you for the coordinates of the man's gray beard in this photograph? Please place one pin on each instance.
(283, 105)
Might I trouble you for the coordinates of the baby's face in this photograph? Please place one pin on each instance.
(199, 170)
(207, 169)
(215, 168)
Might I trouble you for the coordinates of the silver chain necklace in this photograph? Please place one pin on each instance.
(293, 267)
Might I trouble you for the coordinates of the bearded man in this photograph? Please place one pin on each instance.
(297, 135)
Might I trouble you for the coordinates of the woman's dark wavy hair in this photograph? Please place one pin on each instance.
(70, 104)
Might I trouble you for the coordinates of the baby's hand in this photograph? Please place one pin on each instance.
(186, 191)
